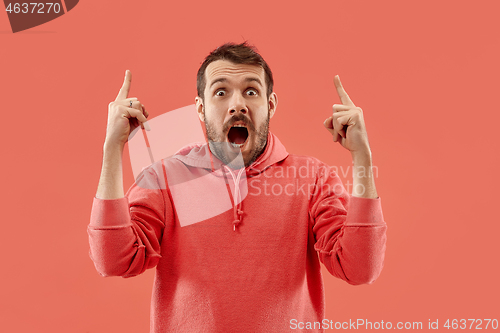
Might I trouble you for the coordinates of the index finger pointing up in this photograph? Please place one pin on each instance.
(123, 94)
(344, 98)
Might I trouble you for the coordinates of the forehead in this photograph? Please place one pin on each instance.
(226, 69)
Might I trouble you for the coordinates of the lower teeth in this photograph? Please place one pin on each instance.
(235, 145)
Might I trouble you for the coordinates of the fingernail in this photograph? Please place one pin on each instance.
(146, 126)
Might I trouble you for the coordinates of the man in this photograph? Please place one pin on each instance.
(253, 267)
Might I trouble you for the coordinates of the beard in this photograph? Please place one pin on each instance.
(230, 155)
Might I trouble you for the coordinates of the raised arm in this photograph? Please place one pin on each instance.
(347, 126)
(350, 229)
(125, 232)
(124, 115)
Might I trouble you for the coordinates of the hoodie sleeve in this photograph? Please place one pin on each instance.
(125, 234)
(350, 231)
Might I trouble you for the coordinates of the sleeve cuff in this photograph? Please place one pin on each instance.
(110, 213)
(364, 211)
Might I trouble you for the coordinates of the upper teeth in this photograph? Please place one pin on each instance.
(239, 125)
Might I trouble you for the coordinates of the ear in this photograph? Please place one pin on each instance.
(199, 108)
(273, 104)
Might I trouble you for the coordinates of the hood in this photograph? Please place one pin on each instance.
(198, 155)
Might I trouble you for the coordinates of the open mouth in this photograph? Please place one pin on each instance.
(237, 135)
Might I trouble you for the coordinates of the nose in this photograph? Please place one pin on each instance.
(237, 104)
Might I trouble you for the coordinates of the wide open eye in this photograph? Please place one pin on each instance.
(220, 93)
(252, 92)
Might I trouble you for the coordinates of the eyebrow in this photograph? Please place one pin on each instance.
(248, 79)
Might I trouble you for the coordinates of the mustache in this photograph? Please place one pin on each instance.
(239, 117)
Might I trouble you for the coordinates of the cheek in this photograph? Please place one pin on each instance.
(262, 116)
(210, 113)
(214, 111)
(215, 123)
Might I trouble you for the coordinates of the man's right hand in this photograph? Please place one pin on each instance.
(124, 118)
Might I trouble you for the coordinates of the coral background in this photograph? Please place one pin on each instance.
(425, 73)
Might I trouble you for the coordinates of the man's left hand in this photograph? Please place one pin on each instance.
(347, 124)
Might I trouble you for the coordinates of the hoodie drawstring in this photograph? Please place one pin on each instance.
(237, 212)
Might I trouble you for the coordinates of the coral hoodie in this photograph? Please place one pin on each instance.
(238, 250)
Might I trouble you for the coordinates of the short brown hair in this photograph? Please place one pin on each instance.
(238, 54)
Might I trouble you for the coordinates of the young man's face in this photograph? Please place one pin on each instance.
(236, 110)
